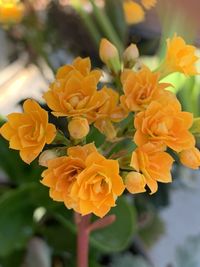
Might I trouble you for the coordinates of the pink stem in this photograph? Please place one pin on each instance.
(82, 239)
(101, 223)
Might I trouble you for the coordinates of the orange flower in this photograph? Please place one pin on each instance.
(98, 185)
(11, 11)
(28, 132)
(180, 57)
(141, 88)
(134, 13)
(62, 173)
(74, 92)
(148, 4)
(190, 158)
(111, 111)
(164, 123)
(152, 166)
(84, 180)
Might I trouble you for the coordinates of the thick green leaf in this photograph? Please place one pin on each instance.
(16, 219)
(14, 259)
(14, 167)
(128, 260)
(118, 235)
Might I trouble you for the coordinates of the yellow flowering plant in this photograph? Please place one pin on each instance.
(137, 119)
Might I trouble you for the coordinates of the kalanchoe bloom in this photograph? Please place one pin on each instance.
(74, 92)
(151, 165)
(180, 57)
(62, 173)
(141, 88)
(84, 180)
(28, 132)
(11, 11)
(190, 158)
(163, 123)
(134, 13)
(78, 127)
(111, 111)
(98, 185)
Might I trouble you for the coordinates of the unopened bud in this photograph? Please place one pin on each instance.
(135, 182)
(130, 56)
(109, 55)
(190, 158)
(46, 155)
(78, 127)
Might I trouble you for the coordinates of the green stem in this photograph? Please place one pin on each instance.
(106, 26)
(90, 25)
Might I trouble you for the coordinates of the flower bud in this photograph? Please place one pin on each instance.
(78, 127)
(135, 182)
(45, 156)
(190, 158)
(130, 56)
(109, 55)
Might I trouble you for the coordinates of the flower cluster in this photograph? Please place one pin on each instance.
(159, 121)
(84, 180)
(74, 94)
(82, 177)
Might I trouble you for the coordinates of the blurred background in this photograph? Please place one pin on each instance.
(37, 37)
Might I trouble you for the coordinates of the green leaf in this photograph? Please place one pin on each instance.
(95, 136)
(16, 221)
(128, 260)
(118, 235)
(13, 259)
(195, 129)
(124, 145)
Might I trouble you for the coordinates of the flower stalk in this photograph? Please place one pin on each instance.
(82, 223)
(84, 228)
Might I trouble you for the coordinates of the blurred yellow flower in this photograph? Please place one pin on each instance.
(180, 57)
(28, 132)
(148, 3)
(84, 180)
(190, 158)
(134, 13)
(11, 11)
(152, 165)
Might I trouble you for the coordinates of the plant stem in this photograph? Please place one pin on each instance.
(106, 26)
(82, 239)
